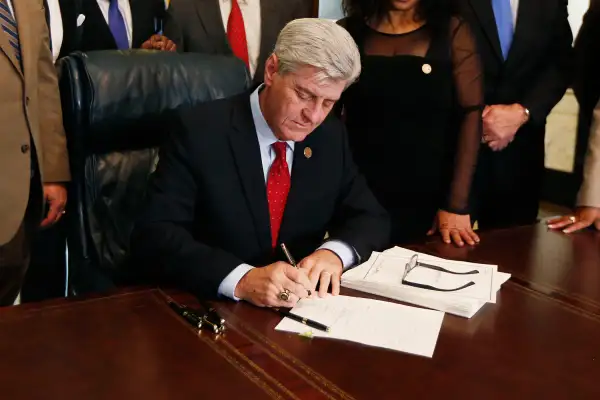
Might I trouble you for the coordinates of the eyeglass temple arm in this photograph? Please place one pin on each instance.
(441, 269)
(422, 286)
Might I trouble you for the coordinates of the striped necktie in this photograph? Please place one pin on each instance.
(9, 25)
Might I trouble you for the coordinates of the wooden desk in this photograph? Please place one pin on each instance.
(530, 344)
(564, 267)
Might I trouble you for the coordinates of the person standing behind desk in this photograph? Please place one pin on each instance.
(586, 81)
(526, 51)
(588, 199)
(245, 174)
(244, 28)
(32, 139)
(122, 25)
(414, 116)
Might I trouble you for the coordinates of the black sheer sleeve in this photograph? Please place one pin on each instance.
(468, 80)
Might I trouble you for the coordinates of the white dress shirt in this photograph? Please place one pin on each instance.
(125, 11)
(56, 27)
(266, 139)
(514, 6)
(12, 11)
(251, 13)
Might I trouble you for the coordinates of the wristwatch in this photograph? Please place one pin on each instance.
(526, 112)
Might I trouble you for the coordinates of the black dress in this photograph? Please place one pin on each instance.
(414, 120)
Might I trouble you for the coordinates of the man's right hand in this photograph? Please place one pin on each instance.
(262, 286)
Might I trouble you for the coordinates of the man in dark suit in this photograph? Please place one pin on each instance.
(119, 24)
(525, 48)
(245, 28)
(245, 174)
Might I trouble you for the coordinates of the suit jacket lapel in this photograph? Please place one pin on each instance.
(8, 50)
(526, 16)
(29, 48)
(209, 12)
(246, 151)
(136, 9)
(485, 13)
(268, 33)
(304, 173)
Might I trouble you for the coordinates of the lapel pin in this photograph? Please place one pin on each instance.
(426, 69)
(307, 152)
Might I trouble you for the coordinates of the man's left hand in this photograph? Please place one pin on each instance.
(325, 267)
(501, 123)
(159, 42)
(55, 195)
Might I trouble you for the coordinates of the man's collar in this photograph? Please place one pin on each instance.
(265, 134)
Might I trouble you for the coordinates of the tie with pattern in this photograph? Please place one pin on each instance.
(278, 187)
(504, 23)
(236, 32)
(116, 23)
(9, 25)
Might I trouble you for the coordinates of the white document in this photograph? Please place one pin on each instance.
(387, 281)
(370, 322)
(389, 269)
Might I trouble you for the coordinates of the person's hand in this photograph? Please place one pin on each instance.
(501, 123)
(582, 218)
(262, 286)
(159, 42)
(454, 228)
(55, 195)
(324, 267)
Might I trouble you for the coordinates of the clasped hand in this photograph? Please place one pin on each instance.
(159, 42)
(501, 123)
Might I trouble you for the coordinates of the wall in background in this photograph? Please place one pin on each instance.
(330, 9)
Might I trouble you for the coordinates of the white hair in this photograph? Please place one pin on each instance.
(319, 43)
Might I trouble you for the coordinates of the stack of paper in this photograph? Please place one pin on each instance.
(371, 322)
(383, 274)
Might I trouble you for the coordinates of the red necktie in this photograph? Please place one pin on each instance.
(278, 187)
(236, 32)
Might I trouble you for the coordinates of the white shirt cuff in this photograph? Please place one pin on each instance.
(344, 251)
(228, 285)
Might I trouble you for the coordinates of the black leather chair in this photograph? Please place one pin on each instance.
(117, 107)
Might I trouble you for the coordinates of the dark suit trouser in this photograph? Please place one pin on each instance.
(14, 259)
(15, 255)
(508, 184)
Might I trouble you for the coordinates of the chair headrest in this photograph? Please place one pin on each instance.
(131, 92)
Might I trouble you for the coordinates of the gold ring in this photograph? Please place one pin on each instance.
(285, 295)
(572, 219)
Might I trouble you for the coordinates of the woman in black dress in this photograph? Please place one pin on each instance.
(414, 115)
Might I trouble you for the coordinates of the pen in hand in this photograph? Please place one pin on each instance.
(291, 260)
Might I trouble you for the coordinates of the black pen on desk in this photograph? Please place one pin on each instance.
(188, 315)
(305, 321)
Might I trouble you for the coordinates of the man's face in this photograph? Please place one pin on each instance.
(297, 103)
